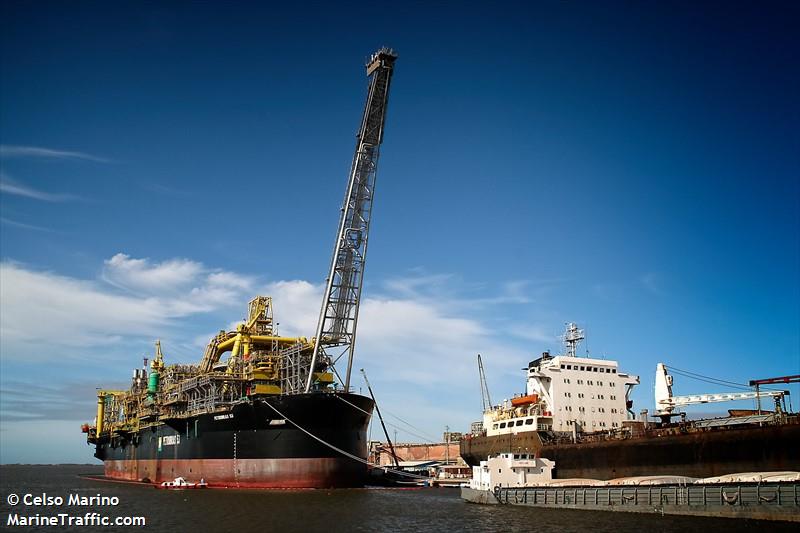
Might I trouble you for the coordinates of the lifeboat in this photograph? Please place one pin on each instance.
(525, 400)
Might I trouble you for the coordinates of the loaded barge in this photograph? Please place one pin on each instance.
(520, 479)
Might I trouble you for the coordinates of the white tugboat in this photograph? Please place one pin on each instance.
(181, 483)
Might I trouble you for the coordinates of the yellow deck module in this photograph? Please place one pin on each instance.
(264, 388)
(323, 377)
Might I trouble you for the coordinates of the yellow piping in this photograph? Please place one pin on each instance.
(101, 408)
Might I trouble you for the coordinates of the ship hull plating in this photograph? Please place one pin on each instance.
(695, 454)
(252, 445)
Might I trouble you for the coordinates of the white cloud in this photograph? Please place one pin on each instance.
(417, 341)
(141, 275)
(8, 151)
(10, 186)
(191, 286)
(47, 308)
(44, 309)
(404, 337)
(296, 305)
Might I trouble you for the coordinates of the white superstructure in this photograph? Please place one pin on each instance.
(566, 393)
(511, 470)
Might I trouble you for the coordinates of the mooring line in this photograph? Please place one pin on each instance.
(343, 452)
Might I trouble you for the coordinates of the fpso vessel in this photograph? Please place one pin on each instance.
(249, 445)
(577, 412)
(276, 412)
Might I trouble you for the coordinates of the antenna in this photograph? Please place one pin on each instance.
(572, 337)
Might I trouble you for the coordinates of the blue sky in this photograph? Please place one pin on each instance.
(630, 166)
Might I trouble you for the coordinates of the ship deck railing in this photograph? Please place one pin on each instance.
(772, 501)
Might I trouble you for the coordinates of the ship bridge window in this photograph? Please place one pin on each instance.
(562, 367)
(502, 425)
(519, 422)
(569, 367)
(529, 421)
(494, 426)
(613, 370)
(583, 368)
(594, 369)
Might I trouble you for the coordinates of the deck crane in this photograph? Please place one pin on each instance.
(772, 381)
(487, 401)
(338, 317)
(666, 403)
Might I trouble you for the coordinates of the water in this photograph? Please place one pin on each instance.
(209, 510)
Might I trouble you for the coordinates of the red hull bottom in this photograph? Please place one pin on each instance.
(246, 473)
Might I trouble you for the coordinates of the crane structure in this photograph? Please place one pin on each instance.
(487, 401)
(338, 317)
(666, 403)
(771, 381)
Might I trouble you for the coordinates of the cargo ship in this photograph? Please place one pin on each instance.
(260, 409)
(577, 412)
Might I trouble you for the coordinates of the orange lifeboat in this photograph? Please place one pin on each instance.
(525, 400)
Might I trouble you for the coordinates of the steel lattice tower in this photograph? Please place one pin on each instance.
(339, 313)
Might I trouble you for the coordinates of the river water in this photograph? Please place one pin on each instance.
(210, 510)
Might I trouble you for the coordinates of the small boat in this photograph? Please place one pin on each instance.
(181, 483)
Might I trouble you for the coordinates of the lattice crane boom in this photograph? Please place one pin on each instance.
(487, 401)
(338, 316)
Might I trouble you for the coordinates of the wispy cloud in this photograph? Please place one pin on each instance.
(10, 186)
(22, 225)
(9, 151)
(133, 274)
(95, 313)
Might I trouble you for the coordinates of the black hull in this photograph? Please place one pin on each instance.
(252, 446)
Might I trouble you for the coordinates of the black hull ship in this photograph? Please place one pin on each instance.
(251, 445)
(274, 412)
